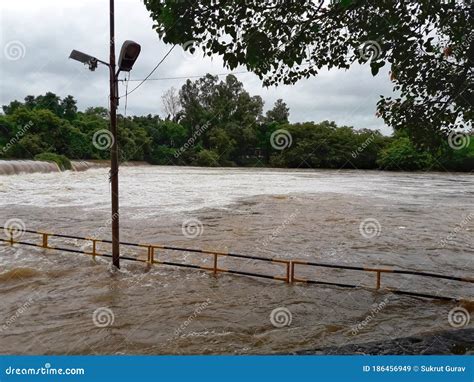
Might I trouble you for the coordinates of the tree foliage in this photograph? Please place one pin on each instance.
(427, 45)
(220, 124)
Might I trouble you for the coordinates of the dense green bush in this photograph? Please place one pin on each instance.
(401, 154)
(62, 162)
(207, 158)
(218, 124)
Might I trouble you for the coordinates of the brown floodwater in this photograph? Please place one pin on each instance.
(63, 303)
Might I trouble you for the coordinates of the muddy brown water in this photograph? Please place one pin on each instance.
(65, 303)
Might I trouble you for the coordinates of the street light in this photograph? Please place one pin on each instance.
(128, 55)
(86, 59)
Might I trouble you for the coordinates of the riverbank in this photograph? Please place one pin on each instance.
(449, 342)
(16, 167)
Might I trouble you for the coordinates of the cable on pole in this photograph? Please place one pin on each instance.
(153, 71)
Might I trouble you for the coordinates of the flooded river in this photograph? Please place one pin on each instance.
(66, 303)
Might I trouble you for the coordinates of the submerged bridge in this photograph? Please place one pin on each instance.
(288, 273)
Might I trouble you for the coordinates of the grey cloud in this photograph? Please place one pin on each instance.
(49, 30)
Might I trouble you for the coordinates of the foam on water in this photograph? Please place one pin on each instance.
(162, 189)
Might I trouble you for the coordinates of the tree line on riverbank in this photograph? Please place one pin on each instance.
(214, 123)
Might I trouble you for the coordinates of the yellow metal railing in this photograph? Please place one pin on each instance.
(289, 265)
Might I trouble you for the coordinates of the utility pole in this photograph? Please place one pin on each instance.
(128, 55)
(114, 166)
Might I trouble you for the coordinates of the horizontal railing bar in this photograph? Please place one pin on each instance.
(22, 242)
(325, 265)
(395, 291)
(435, 275)
(219, 270)
(294, 262)
(326, 283)
(252, 274)
(229, 254)
(72, 250)
(155, 262)
(171, 248)
(384, 270)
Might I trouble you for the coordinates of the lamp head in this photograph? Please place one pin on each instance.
(128, 55)
(85, 59)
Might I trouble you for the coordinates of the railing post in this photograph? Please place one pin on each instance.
(378, 280)
(10, 236)
(152, 254)
(94, 241)
(45, 240)
(288, 276)
(292, 266)
(215, 263)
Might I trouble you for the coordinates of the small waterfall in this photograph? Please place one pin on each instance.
(81, 165)
(13, 167)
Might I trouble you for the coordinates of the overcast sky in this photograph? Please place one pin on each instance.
(38, 35)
